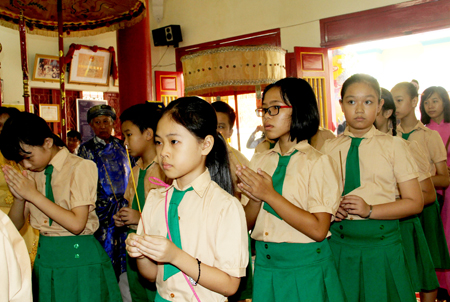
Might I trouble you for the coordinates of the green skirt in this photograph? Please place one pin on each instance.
(432, 226)
(370, 260)
(295, 272)
(141, 289)
(73, 268)
(417, 254)
(245, 289)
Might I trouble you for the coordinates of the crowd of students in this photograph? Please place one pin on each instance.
(350, 218)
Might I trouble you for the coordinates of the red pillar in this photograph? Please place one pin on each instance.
(135, 63)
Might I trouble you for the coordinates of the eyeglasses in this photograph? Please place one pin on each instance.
(272, 110)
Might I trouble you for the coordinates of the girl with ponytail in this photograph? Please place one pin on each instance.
(192, 238)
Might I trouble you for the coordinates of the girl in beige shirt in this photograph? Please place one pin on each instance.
(292, 192)
(58, 192)
(192, 239)
(366, 242)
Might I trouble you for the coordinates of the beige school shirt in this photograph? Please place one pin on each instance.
(384, 161)
(212, 228)
(236, 158)
(317, 140)
(320, 137)
(431, 142)
(74, 184)
(15, 266)
(154, 170)
(311, 183)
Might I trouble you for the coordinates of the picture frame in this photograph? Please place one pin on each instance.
(46, 68)
(50, 112)
(89, 67)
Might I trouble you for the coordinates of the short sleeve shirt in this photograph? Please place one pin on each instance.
(384, 161)
(311, 183)
(320, 137)
(431, 142)
(212, 228)
(74, 184)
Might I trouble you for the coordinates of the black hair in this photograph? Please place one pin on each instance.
(25, 128)
(74, 133)
(199, 118)
(411, 90)
(443, 94)
(305, 118)
(223, 107)
(362, 78)
(11, 111)
(389, 105)
(144, 116)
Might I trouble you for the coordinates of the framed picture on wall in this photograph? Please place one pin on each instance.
(46, 68)
(50, 112)
(89, 67)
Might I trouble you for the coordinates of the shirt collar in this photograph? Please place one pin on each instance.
(372, 132)
(419, 125)
(140, 163)
(301, 146)
(58, 160)
(200, 184)
(98, 140)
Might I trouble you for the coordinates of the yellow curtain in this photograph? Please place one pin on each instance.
(232, 68)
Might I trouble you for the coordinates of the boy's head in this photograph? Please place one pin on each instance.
(5, 114)
(139, 126)
(225, 118)
(73, 140)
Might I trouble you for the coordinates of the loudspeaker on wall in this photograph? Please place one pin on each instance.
(168, 35)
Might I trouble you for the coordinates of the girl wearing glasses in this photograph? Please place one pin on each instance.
(290, 201)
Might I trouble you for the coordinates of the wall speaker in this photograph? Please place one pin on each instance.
(168, 35)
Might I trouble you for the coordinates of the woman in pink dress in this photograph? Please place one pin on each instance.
(435, 110)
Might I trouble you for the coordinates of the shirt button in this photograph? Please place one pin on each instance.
(45, 221)
(341, 226)
(76, 245)
(266, 246)
(268, 257)
(381, 227)
(318, 251)
(382, 237)
(266, 233)
(77, 256)
(179, 218)
(342, 236)
(172, 295)
(39, 256)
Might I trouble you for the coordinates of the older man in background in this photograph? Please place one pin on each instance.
(109, 153)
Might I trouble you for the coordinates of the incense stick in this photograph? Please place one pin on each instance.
(232, 151)
(135, 189)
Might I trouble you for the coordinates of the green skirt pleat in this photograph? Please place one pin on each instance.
(295, 272)
(432, 226)
(370, 261)
(141, 289)
(73, 269)
(418, 257)
(245, 289)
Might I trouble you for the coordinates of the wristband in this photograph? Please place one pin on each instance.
(370, 212)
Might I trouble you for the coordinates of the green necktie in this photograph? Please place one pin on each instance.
(278, 179)
(352, 173)
(174, 227)
(48, 187)
(406, 135)
(140, 191)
